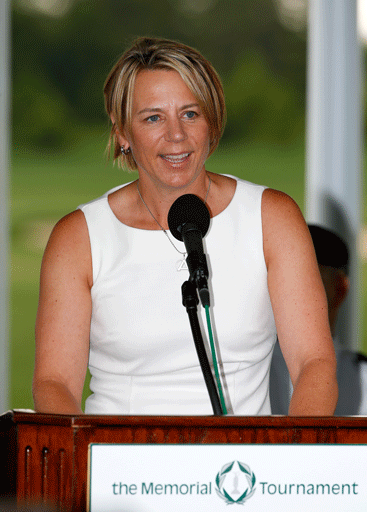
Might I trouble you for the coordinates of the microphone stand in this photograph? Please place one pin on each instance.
(190, 301)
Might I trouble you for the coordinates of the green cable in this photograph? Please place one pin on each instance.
(212, 347)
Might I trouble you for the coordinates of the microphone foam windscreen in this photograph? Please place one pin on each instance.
(188, 208)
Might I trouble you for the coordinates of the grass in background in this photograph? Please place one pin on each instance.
(46, 187)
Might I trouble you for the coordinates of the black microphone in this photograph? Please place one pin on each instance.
(188, 221)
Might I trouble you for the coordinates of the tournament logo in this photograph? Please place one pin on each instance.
(235, 483)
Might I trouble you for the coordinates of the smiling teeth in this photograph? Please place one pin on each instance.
(176, 158)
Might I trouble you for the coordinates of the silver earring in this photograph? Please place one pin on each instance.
(123, 151)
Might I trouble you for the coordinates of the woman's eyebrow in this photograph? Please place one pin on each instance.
(150, 109)
(158, 109)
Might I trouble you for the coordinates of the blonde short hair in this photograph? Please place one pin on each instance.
(151, 53)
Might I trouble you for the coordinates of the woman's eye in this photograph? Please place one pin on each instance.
(190, 114)
(154, 118)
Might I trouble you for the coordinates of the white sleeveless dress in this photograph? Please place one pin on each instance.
(142, 356)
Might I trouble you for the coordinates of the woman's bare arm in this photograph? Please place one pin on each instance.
(300, 308)
(63, 318)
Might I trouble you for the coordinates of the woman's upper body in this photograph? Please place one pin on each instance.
(142, 355)
(168, 134)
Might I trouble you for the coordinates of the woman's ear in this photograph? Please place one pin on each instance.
(120, 136)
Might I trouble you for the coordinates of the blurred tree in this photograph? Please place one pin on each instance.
(261, 104)
(60, 61)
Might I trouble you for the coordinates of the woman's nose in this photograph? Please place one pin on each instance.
(175, 130)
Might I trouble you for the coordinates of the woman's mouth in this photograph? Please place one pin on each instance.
(176, 159)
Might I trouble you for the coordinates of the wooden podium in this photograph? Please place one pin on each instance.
(46, 456)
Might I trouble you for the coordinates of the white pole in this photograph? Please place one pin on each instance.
(4, 192)
(334, 135)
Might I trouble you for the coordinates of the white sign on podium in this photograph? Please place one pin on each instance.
(182, 478)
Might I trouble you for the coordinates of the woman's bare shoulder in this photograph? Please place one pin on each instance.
(284, 226)
(69, 244)
(71, 228)
(276, 201)
(280, 211)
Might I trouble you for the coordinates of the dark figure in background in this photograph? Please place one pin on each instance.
(332, 257)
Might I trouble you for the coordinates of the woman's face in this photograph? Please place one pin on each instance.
(169, 135)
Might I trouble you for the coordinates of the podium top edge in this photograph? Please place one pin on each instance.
(26, 417)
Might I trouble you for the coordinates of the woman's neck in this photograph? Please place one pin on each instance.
(157, 201)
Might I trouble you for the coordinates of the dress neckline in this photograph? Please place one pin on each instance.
(105, 196)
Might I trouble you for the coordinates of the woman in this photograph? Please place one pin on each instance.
(110, 279)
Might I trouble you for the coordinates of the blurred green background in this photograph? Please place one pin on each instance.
(62, 51)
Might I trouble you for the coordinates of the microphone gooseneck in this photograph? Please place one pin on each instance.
(188, 221)
(190, 301)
